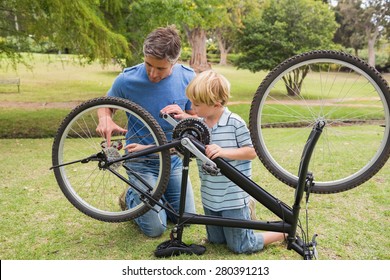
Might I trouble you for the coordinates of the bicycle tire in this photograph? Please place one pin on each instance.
(94, 190)
(355, 143)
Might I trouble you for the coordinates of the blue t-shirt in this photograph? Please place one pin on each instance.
(133, 84)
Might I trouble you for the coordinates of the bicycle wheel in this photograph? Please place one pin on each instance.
(342, 90)
(95, 190)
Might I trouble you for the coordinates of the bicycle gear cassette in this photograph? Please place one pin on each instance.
(112, 152)
(194, 128)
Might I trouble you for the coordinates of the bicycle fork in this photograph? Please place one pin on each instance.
(305, 183)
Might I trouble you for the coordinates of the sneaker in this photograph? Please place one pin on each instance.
(122, 200)
(252, 208)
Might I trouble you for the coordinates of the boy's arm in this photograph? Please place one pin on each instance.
(178, 113)
(244, 153)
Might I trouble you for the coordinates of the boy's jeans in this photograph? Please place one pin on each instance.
(239, 240)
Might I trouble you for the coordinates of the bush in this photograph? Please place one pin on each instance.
(185, 54)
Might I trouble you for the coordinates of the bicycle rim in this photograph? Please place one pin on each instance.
(350, 96)
(93, 190)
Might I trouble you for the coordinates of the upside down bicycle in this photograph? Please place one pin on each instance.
(319, 92)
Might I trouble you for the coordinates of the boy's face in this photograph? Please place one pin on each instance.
(157, 69)
(203, 110)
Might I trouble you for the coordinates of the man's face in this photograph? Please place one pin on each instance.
(157, 69)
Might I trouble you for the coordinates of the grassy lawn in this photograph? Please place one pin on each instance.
(37, 221)
(58, 79)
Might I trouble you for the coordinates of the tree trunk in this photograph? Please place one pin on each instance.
(223, 50)
(371, 36)
(223, 58)
(356, 52)
(371, 52)
(197, 39)
(293, 81)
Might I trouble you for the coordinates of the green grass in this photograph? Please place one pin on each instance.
(39, 223)
(30, 123)
(58, 79)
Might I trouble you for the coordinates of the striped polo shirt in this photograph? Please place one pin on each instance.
(218, 192)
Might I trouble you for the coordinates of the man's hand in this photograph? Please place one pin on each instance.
(107, 127)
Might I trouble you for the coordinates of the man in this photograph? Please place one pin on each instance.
(158, 85)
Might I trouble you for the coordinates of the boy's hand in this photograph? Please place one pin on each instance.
(134, 147)
(175, 111)
(213, 151)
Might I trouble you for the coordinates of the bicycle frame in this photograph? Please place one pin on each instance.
(289, 216)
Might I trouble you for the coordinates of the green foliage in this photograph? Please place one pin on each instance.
(350, 32)
(232, 58)
(185, 54)
(382, 59)
(284, 29)
(213, 57)
(186, 15)
(77, 26)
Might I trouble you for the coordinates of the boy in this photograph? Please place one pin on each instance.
(230, 139)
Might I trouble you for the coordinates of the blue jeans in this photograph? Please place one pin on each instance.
(239, 240)
(154, 223)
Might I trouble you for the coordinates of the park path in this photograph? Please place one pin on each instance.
(73, 104)
(38, 105)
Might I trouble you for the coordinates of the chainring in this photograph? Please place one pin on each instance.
(194, 128)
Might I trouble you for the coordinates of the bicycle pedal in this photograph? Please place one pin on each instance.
(209, 169)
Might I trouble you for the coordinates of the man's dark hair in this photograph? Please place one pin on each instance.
(163, 43)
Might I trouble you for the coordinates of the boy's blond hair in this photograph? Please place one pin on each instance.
(209, 88)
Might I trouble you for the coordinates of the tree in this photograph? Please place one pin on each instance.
(362, 22)
(231, 25)
(350, 34)
(78, 26)
(199, 17)
(195, 18)
(142, 17)
(376, 19)
(286, 28)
